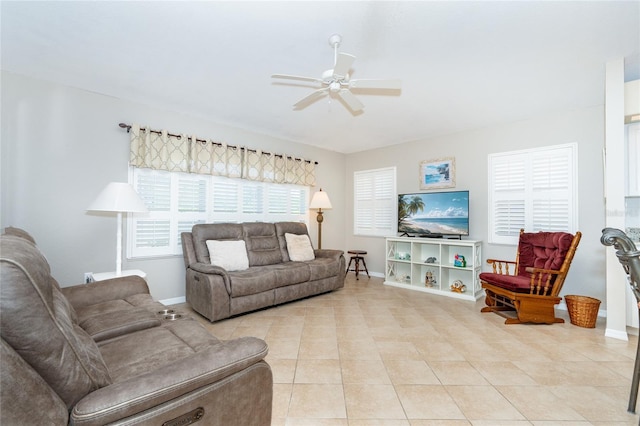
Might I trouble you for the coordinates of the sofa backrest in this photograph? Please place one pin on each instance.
(25, 398)
(213, 231)
(265, 242)
(262, 243)
(544, 250)
(38, 324)
(282, 228)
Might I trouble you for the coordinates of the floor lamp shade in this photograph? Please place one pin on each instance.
(320, 201)
(119, 198)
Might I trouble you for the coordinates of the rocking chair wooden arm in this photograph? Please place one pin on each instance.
(544, 281)
(502, 266)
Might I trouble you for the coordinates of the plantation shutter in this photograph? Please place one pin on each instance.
(153, 232)
(533, 190)
(192, 205)
(375, 202)
(508, 183)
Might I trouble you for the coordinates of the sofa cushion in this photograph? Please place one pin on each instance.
(145, 351)
(299, 247)
(26, 399)
(230, 255)
(324, 267)
(34, 314)
(517, 283)
(212, 231)
(283, 228)
(262, 243)
(254, 280)
(291, 273)
(112, 324)
(544, 250)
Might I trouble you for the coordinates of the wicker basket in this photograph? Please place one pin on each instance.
(583, 310)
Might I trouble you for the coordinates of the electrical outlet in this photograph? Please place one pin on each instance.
(88, 277)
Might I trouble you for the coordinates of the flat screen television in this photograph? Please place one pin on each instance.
(434, 214)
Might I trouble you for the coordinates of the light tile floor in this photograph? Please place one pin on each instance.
(370, 354)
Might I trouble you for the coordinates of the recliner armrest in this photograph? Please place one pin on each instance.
(129, 397)
(104, 291)
(502, 266)
(335, 254)
(206, 268)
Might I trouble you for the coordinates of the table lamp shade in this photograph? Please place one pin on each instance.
(118, 197)
(320, 200)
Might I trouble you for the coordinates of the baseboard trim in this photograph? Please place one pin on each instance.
(174, 300)
(616, 334)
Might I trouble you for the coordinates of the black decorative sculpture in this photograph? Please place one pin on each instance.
(629, 257)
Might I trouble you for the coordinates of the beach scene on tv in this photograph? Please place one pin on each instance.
(434, 213)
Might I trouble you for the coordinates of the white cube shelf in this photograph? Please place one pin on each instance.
(427, 264)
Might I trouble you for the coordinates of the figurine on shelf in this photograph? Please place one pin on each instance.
(429, 279)
(431, 260)
(458, 287)
(459, 261)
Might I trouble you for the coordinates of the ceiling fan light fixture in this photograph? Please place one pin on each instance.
(335, 86)
(336, 82)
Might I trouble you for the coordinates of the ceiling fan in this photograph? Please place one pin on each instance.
(336, 81)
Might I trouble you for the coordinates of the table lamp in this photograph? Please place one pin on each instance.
(320, 201)
(120, 198)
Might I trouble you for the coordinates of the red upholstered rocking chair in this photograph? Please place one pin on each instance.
(531, 285)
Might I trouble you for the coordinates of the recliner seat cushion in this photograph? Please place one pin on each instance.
(34, 314)
(516, 283)
(323, 267)
(254, 280)
(129, 355)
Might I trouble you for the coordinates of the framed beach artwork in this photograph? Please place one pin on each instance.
(438, 173)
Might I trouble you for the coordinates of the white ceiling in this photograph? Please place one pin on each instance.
(463, 65)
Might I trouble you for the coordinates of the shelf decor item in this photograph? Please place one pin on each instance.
(438, 173)
(459, 261)
(431, 260)
(429, 279)
(458, 287)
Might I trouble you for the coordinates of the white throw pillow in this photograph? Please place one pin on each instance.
(230, 255)
(299, 247)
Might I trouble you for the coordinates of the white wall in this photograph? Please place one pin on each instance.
(470, 149)
(60, 146)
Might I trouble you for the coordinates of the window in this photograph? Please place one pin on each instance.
(532, 189)
(177, 201)
(375, 199)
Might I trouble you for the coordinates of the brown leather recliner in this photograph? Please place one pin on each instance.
(100, 354)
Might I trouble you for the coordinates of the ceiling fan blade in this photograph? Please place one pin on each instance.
(309, 99)
(296, 77)
(375, 84)
(343, 64)
(354, 104)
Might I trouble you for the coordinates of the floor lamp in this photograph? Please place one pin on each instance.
(120, 198)
(320, 201)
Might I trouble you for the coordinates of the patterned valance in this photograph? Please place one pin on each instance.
(161, 150)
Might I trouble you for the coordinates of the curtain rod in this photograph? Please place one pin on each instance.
(128, 127)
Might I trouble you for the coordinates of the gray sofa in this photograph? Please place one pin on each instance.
(271, 278)
(102, 353)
